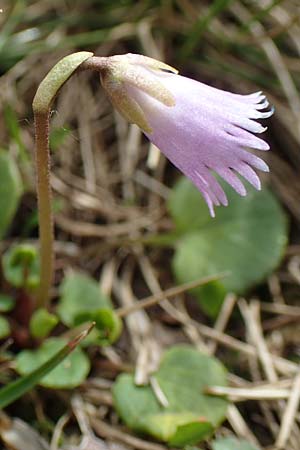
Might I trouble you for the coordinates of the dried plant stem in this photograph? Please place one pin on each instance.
(172, 292)
(240, 394)
(289, 415)
(45, 215)
(113, 433)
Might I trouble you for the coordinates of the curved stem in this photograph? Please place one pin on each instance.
(42, 102)
(46, 233)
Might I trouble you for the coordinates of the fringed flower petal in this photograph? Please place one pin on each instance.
(201, 130)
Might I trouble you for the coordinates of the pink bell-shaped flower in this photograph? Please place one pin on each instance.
(200, 129)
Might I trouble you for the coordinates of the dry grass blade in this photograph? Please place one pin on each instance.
(240, 394)
(240, 426)
(171, 292)
(112, 432)
(289, 415)
(223, 317)
(251, 318)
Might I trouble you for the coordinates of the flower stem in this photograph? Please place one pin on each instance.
(42, 102)
(46, 234)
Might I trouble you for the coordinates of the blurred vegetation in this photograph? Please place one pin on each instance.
(112, 224)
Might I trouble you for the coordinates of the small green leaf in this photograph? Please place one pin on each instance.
(81, 301)
(14, 390)
(107, 325)
(229, 443)
(21, 266)
(67, 375)
(4, 327)
(247, 239)
(10, 190)
(7, 303)
(80, 294)
(190, 416)
(42, 322)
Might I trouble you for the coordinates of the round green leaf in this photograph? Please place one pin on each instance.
(80, 295)
(247, 239)
(191, 415)
(21, 266)
(10, 190)
(68, 374)
(4, 327)
(41, 323)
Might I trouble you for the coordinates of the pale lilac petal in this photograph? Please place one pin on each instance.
(212, 185)
(248, 173)
(263, 105)
(231, 178)
(246, 139)
(253, 160)
(207, 131)
(210, 202)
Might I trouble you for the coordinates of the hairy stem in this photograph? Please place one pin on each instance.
(46, 234)
(42, 102)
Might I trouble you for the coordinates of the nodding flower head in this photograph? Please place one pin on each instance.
(200, 129)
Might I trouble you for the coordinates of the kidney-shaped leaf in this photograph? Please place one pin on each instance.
(82, 301)
(68, 374)
(191, 415)
(247, 239)
(80, 294)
